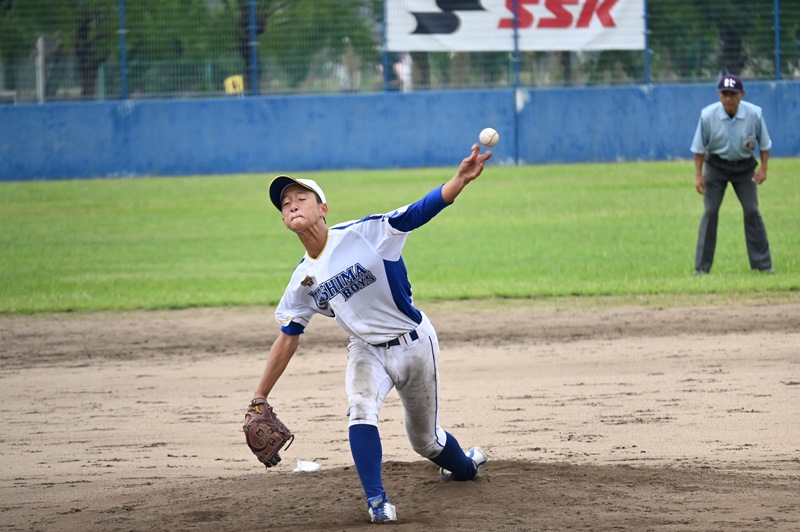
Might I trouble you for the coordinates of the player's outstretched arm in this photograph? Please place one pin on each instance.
(469, 170)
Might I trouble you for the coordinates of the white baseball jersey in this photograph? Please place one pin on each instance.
(360, 278)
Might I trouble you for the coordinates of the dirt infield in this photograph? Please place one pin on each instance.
(624, 418)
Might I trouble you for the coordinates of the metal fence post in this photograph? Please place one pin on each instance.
(516, 61)
(777, 30)
(385, 55)
(646, 45)
(253, 89)
(101, 83)
(123, 54)
(41, 69)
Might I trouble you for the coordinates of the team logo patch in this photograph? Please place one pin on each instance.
(346, 283)
(308, 281)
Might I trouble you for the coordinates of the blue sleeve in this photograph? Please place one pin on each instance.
(293, 329)
(419, 213)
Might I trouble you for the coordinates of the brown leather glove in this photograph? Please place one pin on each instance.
(264, 432)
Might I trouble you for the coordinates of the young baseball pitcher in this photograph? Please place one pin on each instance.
(354, 272)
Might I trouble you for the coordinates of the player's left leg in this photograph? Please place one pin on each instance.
(418, 388)
(755, 231)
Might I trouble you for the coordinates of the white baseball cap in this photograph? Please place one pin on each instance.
(280, 183)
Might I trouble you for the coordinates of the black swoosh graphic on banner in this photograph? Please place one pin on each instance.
(460, 5)
(446, 22)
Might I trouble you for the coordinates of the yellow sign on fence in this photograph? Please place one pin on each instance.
(234, 85)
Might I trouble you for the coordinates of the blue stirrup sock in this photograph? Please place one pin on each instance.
(365, 444)
(454, 459)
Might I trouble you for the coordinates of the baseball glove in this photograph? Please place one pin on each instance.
(264, 432)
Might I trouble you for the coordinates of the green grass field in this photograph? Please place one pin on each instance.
(625, 229)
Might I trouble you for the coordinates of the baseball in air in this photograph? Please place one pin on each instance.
(489, 137)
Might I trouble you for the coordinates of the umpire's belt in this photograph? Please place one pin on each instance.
(413, 336)
(725, 165)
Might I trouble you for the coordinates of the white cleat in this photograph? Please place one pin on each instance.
(478, 456)
(381, 510)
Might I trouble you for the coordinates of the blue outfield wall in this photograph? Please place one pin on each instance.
(384, 130)
(649, 122)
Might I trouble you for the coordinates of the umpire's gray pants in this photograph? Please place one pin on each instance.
(755, 232)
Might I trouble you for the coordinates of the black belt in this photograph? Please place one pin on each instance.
(393, 343)
(727, 165)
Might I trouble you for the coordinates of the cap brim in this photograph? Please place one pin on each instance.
(278, 185)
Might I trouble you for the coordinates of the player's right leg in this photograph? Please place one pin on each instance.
(367, 384)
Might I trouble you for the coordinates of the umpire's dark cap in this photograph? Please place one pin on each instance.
(280, 183)
(730, 83)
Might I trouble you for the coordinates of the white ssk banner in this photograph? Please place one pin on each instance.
(488, 25)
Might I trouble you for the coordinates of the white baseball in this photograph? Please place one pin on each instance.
(489, 137)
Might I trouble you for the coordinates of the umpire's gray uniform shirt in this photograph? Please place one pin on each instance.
(734, 138)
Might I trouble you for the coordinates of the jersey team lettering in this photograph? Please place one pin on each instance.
(347, 283)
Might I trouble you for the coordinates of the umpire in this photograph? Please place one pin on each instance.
(725, 140)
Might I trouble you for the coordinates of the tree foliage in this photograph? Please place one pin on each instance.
(188, 47)
(167, 37)
(694, 39)
(299, 35)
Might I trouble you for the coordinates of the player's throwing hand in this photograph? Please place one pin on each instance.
(469, 170)
(472, 166)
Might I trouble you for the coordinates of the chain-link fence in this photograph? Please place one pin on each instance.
(110, 49)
